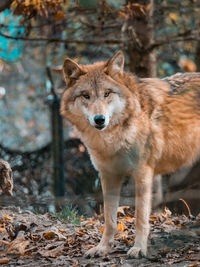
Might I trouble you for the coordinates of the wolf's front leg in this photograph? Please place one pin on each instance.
(143, 187)
(111, 192)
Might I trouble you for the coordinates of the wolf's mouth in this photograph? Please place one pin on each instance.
(100, 127)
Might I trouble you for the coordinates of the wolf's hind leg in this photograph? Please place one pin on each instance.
(143, 186)
(111, 192)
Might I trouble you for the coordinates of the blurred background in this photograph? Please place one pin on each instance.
(51, 167)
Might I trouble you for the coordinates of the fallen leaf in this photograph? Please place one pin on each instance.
(80, 232)
(34, 237)
(189, 259)
(49, 235)
(53, 253)
(7, 217)
(76, 263)
(173, 16)
(129, 218)
(102, 229)
(61, 230)
(54, 233)
(121, 210)
(154, 217)
(122, 235)
(2, 228)
(59, 16)
(4, 260)
(197, 264)
(167, 213)
(120, 227)
(18, 245)
(70, 240)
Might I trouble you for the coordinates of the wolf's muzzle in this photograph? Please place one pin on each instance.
(100, 121)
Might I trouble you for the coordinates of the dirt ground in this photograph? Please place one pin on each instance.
(28, 239)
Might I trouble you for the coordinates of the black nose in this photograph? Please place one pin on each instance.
(99, 119)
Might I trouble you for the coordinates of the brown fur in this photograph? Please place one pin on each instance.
(156, 131)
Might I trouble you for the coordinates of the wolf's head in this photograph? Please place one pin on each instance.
(94, 92)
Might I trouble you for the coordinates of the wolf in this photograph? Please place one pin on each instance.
(131, 126)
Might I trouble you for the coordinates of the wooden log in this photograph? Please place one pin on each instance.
(6, 178)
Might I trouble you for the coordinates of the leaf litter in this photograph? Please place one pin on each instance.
(29, 239)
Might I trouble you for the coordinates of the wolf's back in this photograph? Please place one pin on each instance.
(182, 82)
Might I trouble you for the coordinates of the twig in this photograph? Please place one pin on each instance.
(188, 35)
(29, 249)
(4, 242)
(54, 40)
(188, 208)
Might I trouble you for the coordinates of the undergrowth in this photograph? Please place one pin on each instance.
(69, 214)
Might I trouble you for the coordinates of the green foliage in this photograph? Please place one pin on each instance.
(69, 214)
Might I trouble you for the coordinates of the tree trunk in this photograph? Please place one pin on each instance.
(5, 4)
(141, 32)
(197, 56)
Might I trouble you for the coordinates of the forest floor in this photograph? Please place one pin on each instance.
(28, 239)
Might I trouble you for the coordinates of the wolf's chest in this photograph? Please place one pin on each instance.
(122, 162)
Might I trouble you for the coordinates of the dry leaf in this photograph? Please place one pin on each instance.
(173, 16)
(120, 227)
(128, 219)
(61, 230)
(167, 213)
(2, 228)
(54, 233)
(49, 235)
(121, 210)
(154, 217)
(76, 263)
(4, 260)
(102, 229)
(53, 253)
(189, 259)
(59, 16)
(18, 245)
(80, 232)
(197, 264)
(34, 237)
(187, 64)
(122, 235)
(7, 217)
(70, 240)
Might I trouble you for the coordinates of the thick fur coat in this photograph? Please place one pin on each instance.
(132, 126)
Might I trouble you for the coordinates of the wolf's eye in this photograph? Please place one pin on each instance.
(86, 96)
(107, 93)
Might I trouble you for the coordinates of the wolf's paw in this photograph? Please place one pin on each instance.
(98, 251)
(136, 252)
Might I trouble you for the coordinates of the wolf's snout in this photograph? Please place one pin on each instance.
(99, 119)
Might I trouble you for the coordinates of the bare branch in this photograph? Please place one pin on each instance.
(56, 40)
(186, 36)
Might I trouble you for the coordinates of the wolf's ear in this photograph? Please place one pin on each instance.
(72, 71)
(115, 64)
